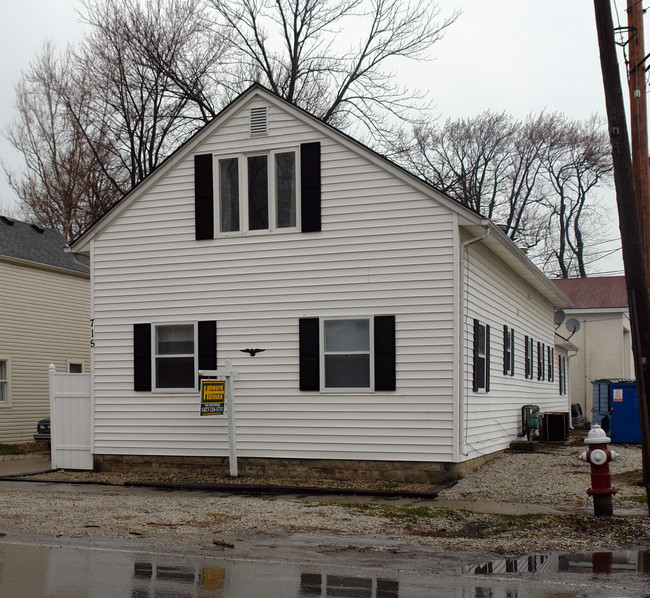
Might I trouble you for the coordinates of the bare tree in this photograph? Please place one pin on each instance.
(137, 102)
(290, 46)
(574, 167)
(61, 187)
(536, 178)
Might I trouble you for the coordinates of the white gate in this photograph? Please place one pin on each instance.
(70, 420)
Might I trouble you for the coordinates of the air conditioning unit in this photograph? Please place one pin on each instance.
(555, 427)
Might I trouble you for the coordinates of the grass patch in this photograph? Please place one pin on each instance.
(406, 513)
(390, 485)
(124, 517)
(643, 499)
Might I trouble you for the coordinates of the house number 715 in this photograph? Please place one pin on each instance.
(92, 333)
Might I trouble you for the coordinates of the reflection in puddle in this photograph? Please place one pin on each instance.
(590, 562)
(315, 584)
(28, 571)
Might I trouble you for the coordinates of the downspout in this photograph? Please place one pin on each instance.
(462, 427)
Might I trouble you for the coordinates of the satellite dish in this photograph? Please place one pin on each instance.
(572, 325)
(559, 317)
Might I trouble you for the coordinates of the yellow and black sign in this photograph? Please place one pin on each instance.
(213, 393)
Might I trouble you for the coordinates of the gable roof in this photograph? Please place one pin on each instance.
(30, 243)
(497, 241)
(598, 292)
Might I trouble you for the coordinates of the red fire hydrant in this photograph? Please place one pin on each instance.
(599, 456)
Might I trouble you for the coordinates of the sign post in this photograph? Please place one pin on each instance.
(215, 394)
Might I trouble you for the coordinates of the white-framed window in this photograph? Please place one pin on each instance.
(174, 358)
(257, 192)
(4, 381)
(346, 353)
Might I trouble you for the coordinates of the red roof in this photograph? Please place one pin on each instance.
(596, 292)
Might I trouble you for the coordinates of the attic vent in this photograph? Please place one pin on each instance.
(258, 121)
(38, 229)
(7, 220)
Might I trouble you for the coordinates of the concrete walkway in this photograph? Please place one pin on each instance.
(11, 465)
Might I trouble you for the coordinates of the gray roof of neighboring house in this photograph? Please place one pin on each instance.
(31, 243)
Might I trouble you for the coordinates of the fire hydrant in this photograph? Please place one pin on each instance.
(599, 456)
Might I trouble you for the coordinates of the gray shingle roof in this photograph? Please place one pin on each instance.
(28, 242)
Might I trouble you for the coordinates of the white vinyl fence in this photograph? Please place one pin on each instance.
(70, 420)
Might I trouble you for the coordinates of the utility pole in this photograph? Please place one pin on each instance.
(636, 276)
(639, 118)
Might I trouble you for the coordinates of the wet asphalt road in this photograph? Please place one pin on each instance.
(302, 566)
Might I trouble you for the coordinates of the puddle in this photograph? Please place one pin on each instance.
(28, 571)
(583, 562)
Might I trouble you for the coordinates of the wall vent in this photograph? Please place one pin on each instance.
(259, 121)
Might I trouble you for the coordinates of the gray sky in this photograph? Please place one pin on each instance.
(517, 56)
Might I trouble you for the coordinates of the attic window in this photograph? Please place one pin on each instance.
(258, 121)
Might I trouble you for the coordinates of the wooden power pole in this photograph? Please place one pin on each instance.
(636, 276)
(639, 118)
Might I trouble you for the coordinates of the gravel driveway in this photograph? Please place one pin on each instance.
(514, 504)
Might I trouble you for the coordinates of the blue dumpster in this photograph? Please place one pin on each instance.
(616, 409)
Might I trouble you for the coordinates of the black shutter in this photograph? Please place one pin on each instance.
(512, 351)
(539, 360)
(385, 378)
(142, 357)
(203, 197)
(476, 375)
(506, 351)
(310, 193)
(487, 358)
(208, 345)
(527, 357)
(308, 338)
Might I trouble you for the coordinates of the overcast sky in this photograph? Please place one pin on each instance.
(517, 56)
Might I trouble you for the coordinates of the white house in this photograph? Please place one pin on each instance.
(402, 332)
(604, 339)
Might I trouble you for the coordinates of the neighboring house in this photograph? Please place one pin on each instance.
(45, 315)
(402, 332)
(604, 341)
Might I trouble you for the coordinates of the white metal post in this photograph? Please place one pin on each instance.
(229, 375)
(52, 370)
(230, 402)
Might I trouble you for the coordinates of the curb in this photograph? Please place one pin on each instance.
(251, 489)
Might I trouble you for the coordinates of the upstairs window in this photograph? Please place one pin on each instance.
(257, 192)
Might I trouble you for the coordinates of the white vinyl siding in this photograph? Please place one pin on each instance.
(46, 320)
(498, 297)
(385, 248)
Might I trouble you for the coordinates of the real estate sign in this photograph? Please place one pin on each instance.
(213, 394)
